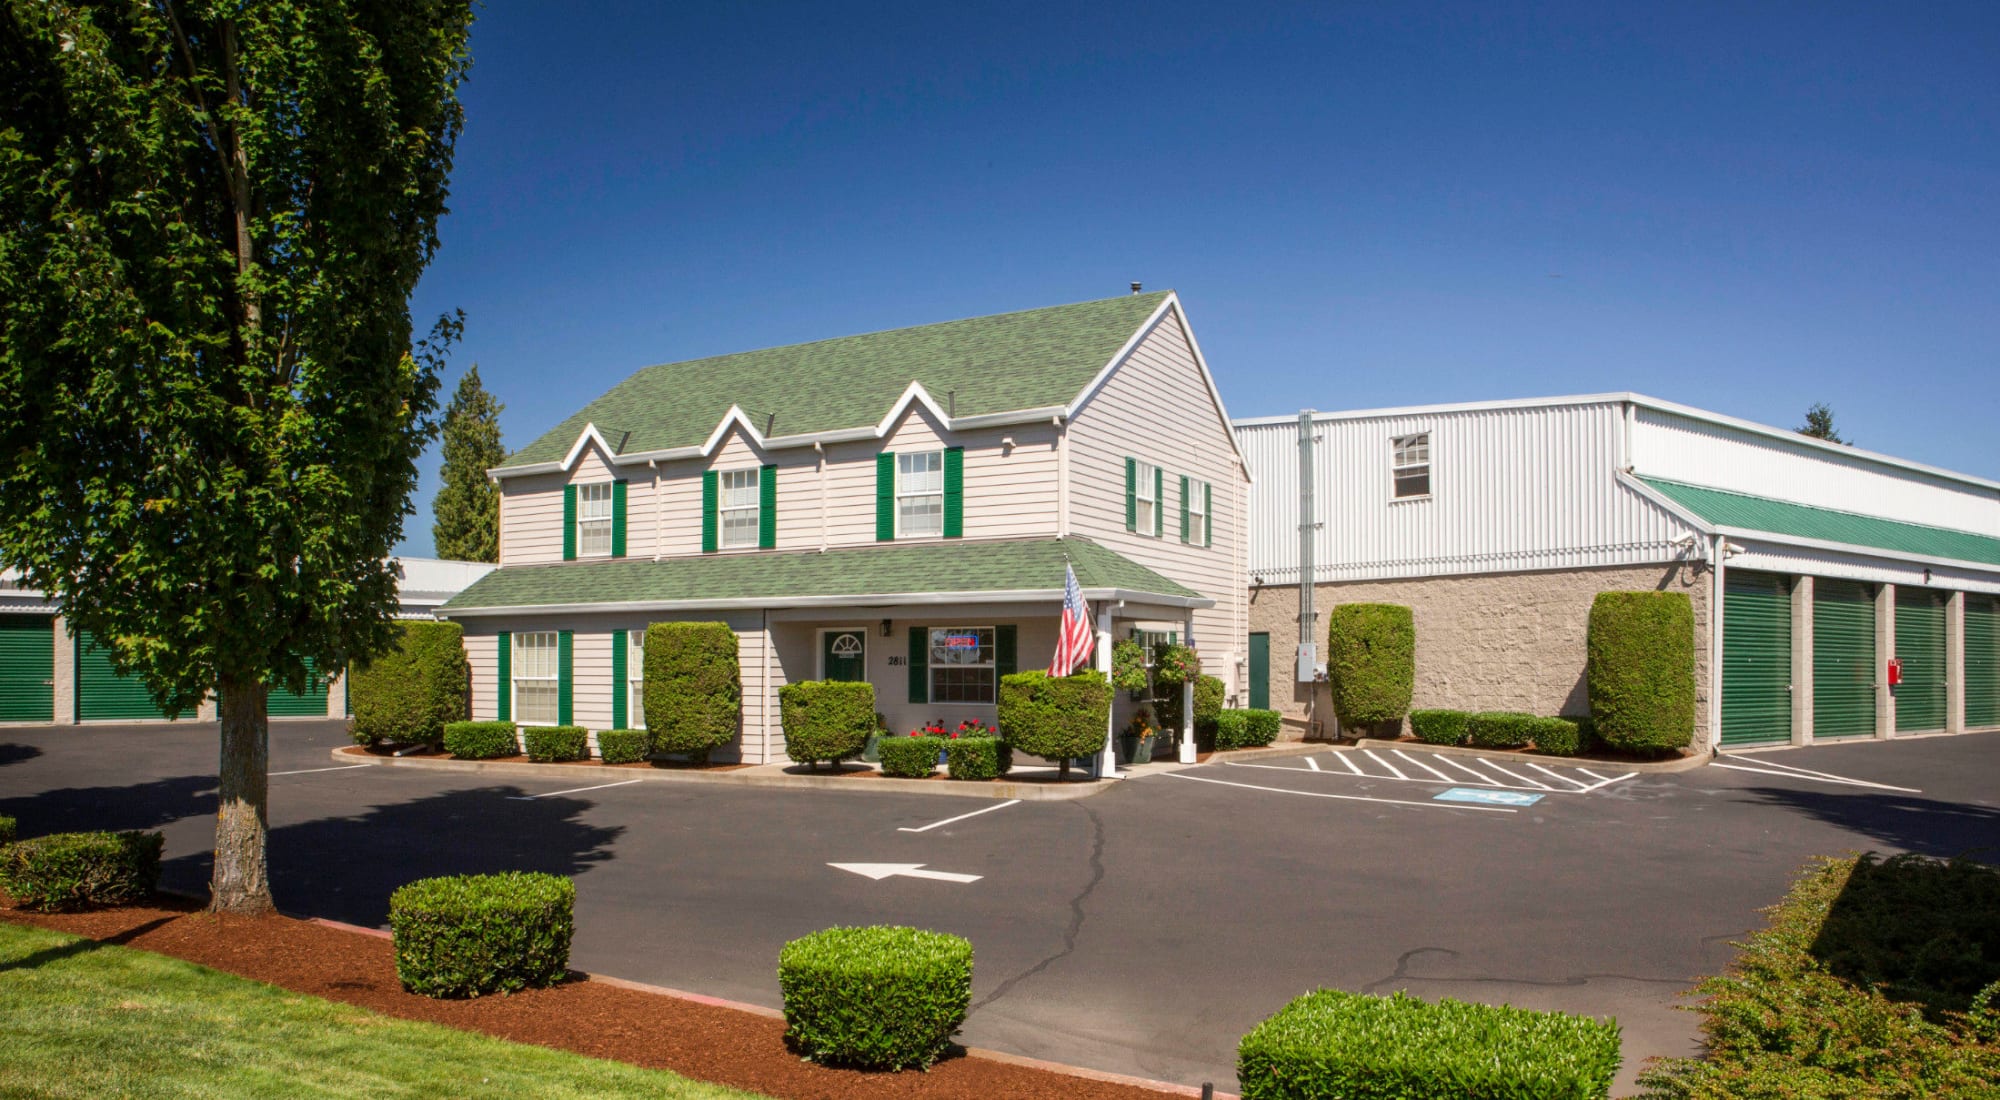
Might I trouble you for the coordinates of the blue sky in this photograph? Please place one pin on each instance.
(1746, 208)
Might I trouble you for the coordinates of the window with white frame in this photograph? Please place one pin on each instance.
(738, 506)
(1146, 495)
(1197, 508)
(635, 679)
(962, 664)
(1410, 465)
(919, 493)
(593, 520)
(537, 679)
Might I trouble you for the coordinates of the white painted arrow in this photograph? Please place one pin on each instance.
(880, 871)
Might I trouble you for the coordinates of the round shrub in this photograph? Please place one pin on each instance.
(1264, 725)
(1055, 717)
(909, 757)
(826, 719)
(410, 693)
(1500, 729)
(480, 740)
(1557, 736)
(1371, 662)
(467, 935)
(622, 746)
(556, 744)
(65, 871)
(1232, 729)
(1439, 727)
(877, 998)
(694, 693)
(1208, 697)
(1641, 670)
(973, 757)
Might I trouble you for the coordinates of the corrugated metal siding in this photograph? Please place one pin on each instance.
(1982, 661)
(1772, 558)
(1756, 659)
(103, 694)
(27, 668)
(1920, 649)
(1843, 659)
(1512, 489)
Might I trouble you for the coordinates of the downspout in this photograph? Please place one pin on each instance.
(659, 505)
(1715, 599)
(1062, 476)
(819, 451)
(1308, 620)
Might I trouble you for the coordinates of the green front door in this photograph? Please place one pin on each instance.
(844, 654)
(27, 668)
(1756, 659)
(1260, 671)
(1982, 661)
(1843, 659)
(1920, 650)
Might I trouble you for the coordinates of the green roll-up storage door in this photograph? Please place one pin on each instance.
(1843, 659)
(27, 668)
(102, 694)
(1756, 659)
(310, 703)
(1920, 648)
(1982, 661)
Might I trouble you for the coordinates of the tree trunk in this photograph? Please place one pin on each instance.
(240, 884)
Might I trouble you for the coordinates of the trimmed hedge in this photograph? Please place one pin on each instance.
(976, 757)
(877, 998)
(1055, 718)
(1641, 670)
(1558, 737)
(65, 871)
(1238, 728)
(1208, 697)
(623, 746)
(1371, 662)
(409, 694)
(6, 830)
(556, 744)
(467, 935)
(1439, 727)
(1329, 1043)
(1501, 729)
(480, 740)
(694, 693)
(909, 757)
(826, 719)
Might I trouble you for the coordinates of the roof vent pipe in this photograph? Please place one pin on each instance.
(1135, 288)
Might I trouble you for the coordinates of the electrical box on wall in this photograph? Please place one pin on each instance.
(1309, 665)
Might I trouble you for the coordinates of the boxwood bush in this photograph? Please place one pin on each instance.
(826, 719)
(1208, 698)
(1371, 662)
(1640, 671)
(1501, 729)
(65, 871)
(1557, 737)
(1334, 1044)
(877, 998)
(694, 693)
(1237, 728)
(467, 935)
(480, 740)
(1055, 717)
(1439, 727)
(622, 746)
(909, 757)
(556, 744)
(974, 757)
(409, 694)
(6, 830)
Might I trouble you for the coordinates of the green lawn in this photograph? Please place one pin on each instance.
(82, 1020)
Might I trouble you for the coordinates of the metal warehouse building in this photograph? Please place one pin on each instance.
(1841, 593)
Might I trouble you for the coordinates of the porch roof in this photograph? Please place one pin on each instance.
(950, 571)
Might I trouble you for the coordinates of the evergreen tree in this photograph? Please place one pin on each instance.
(1819, 424)
(467, 507)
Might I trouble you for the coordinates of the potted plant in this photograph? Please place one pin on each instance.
(1136, 742)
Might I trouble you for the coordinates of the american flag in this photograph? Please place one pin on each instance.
(1073, 646)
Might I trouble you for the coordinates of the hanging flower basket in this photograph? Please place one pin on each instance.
(1175, 664)
(1128, 666)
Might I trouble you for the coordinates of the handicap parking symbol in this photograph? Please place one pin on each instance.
(1491, 798)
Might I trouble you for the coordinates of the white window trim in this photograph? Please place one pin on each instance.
(902, 494)
(1396, 444)
(932, 666)
(635, 679)
(604, 522)
(516, 650)
(1197, 505)
(723, 509)
(1146, 478)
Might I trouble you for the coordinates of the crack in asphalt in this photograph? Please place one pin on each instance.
(1402, 973)
(1075, 928)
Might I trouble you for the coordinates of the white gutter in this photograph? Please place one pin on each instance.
(865, 599)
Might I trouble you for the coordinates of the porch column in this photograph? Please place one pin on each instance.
(1187, 695)
(1107, 760)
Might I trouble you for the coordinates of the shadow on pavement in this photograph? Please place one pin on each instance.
(1907, 823)
(14, 754)
(139, 806)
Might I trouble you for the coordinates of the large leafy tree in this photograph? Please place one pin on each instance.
(467, 506)
(212, 214)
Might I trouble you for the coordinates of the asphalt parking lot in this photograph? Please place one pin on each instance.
(1140, 931)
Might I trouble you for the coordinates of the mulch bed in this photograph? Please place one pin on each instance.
(707, 1042)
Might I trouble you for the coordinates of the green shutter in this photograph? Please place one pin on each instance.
(885, 497)
(503, 679)
(1185, 486)
(569, 523)
(1756, 659)
(1208, 514)
(619, 675)
(708, 491)
(920, 664)
(565, 665)
(1159, 502)
(1004, 660)
(954, 492)
(617, 519)
(1982, 661)
(1920, 648)
(1131, 493)
(767, 507)
(1843, 659)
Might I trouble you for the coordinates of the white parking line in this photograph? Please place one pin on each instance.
(1384, 763)
(1481, 776)
(1413, 760)
(1341, 797)
(960, 817)
(1828, 775)
(310, 771)
(1561, 783)
(1342, 757)
(1837, 780)
(1311, 763)
(572, 790)
(1556, 775)
(1503, 771)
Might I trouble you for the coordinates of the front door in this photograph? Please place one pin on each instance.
(843, 654)
(1260, 671)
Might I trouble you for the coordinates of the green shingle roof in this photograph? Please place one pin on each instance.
(1034, 359)
(768, 579)
(1779, 517)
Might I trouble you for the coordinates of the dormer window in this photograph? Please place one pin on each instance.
(593, 520)
(919, 493)
(739, 508)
